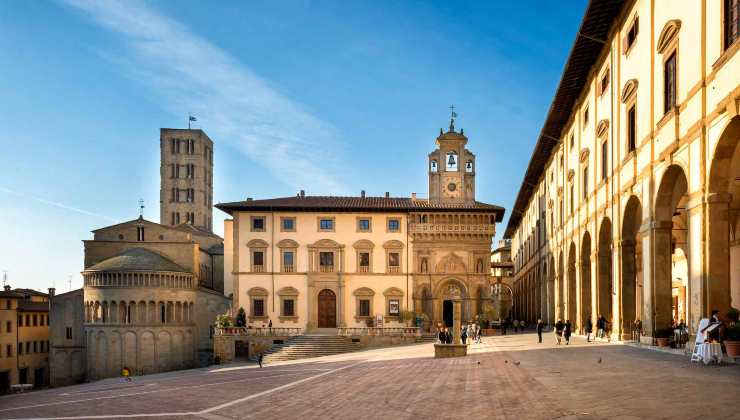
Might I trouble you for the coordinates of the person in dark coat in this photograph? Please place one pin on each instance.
(260, 359)
(559, 330)
(464, 335)
(441, 336)
(589, 329)
(448, 337)
(540, 326)
(567, 331)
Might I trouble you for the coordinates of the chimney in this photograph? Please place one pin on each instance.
(413, 196)
(362, 193)
(249, 198)
(303, 193)
(387, 194)
(7, 287)
(51, 292)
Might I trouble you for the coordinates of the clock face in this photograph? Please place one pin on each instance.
(452, 186)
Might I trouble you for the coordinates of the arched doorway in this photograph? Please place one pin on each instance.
(670, 231)
(585, 280)
(561, 287)
(723, 234)
(604, 274)
(327, 309)
(631, 260)
(572, 310)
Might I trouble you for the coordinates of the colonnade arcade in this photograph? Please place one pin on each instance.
(673, 258)
(141, 312)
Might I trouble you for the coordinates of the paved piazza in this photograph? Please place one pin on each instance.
(505, 377)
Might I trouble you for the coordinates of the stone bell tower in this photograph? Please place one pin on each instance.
(451, 168)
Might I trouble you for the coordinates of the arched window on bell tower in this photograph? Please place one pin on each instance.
(469, 166)
(451, 162)
(433, 166)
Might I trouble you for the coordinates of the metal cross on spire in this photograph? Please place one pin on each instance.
(141, 207)
(453, 115)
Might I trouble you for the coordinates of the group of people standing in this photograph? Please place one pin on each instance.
(563, 330)
(471, 331)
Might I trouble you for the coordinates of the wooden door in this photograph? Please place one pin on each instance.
(327, 309)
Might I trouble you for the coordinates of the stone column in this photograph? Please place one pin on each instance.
(340, 298)
(658, 285)
(717, 278)
(456, 316)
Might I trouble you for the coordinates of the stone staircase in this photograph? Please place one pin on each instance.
(309, 345)
(427, 338)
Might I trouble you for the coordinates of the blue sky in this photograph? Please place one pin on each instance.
(330, 97)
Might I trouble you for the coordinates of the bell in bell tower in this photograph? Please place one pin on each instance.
(451, 167)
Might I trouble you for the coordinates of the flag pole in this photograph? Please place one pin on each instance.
(189, 117)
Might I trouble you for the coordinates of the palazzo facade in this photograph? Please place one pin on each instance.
(328, 262)
(630, 205)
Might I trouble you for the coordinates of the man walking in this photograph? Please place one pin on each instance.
(260, 359)
(540, 326)
(589, 329)
(559, 330)
(567, 331)
(600, 326)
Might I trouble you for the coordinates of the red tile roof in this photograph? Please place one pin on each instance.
(352, 204)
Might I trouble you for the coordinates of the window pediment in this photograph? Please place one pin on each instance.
(257, 243)
(584, 154)
(257, 291)
(326, 243)
(393, 291)
(571, 174)
(363, 244)
(602, 127)
(287, 243)
(364, 291)
(393, 244)
(288, 291)
(629, 90)
(668, 35)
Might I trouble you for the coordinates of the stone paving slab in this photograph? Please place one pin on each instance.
(517, 378)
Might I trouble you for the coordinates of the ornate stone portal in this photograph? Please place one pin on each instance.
(456, 349)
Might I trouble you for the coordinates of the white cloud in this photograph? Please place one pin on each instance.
(56, 204)
(188, 73)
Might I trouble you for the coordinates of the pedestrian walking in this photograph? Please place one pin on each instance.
(567, 331)
(589, 329)
(441, 339)
(504, 325)
(448, 336)
(516, 325)
(464, 335)
(478, 337)
(600, 326)
(540, 326)
(260, 359)
(126, 373)
(559, 330)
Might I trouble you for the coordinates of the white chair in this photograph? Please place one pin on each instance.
(695, 356)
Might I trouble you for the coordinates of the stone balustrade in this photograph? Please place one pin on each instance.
(259, 332)
(477, 229)
(379, 331)
(168, 280)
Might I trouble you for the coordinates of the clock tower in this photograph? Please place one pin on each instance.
(451, 168)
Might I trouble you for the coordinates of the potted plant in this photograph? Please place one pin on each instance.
(732, 333)
(662, 335)
(241, 318)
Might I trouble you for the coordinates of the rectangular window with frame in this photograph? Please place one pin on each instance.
(258, 224)
(572, 143)
(258, 307)
(632, 34)
(288, 307)
(604, 160)
(326, 261)
(288, 261)
(572, 206)
(364, 307)
(669, 83)
(732, 22)
(394, 259)
(585, 182)
(604, 85)
(326, 224)
(258, 261)
(394, 225)
(394, 307)
(69, 333)
(363, 225)
(287, 224)
(585, 117)
(631, 129)
(364, 262)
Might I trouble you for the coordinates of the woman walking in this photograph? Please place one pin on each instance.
(567, 331)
